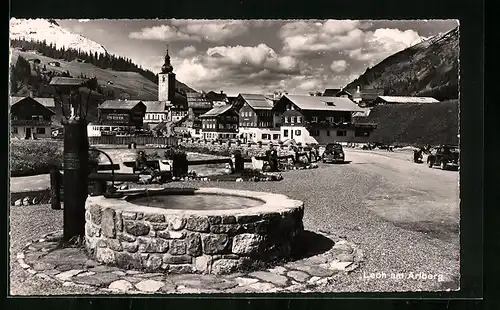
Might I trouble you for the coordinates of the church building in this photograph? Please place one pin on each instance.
(167, 91)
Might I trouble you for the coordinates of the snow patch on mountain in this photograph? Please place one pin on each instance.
(51, 32)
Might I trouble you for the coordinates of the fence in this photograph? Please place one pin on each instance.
(170, 141)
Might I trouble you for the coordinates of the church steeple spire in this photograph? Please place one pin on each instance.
(167, 66)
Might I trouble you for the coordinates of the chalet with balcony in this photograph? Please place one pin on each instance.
(198, 104)
(30, 117)
(156, 112)
(319, 119)
(257, 120)
(116, 116)
(220, 123)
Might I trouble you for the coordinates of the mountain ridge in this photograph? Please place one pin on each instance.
(51, 32)
(429, 68)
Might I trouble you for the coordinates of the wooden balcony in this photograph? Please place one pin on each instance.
(328, 125)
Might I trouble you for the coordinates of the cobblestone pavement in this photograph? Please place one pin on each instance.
(70, 266)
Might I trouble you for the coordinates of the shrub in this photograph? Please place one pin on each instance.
(33, 155)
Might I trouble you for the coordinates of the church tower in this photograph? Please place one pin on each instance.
(166, 81)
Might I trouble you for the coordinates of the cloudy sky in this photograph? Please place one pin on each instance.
(259, 56)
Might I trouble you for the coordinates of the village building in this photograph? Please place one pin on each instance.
(156, 113)
(382, 100)
(337, 92)
(217, 98)
(257, 120)
(118, 116)
(319, 119)
(220, 123)
(31, 117)
(198, 104)
(367, 96)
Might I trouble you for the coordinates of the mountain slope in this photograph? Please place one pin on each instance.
(416, 124)
(124, 84)
(429, 68)
(51, 32)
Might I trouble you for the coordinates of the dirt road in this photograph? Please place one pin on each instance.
(411, 195)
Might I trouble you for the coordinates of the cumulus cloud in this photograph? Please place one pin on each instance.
(212, 30)
(382, 43)
(347, 36)
(163, 33)
(187, 51)
(260, 56)
(258, 65)
(197, 30)
(338, 66)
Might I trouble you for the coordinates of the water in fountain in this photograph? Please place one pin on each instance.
(196, 202)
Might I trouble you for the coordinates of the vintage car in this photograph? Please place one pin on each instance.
(444, 156)
(333, 153)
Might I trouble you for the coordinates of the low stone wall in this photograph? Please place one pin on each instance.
(186, 241)
(226, 149)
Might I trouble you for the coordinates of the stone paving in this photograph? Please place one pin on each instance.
(71, 266)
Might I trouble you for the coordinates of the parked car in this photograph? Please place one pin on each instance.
(333, 153)
(444, 156)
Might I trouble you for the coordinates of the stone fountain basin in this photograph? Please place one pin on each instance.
(132, 236)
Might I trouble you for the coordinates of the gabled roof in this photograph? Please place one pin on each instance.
(331, 92)
(320, 103)
(402, 99)
(119, 104)
(48, 103)
(217, 111)
(196, 100)
(257, 101)
(153, 106)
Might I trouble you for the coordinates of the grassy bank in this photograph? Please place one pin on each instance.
(415, 124)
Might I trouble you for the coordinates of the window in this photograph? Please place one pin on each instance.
(287, 120)
(315, 119)
(297, 132)
(14, 117)
(265, 136)
(285, 133)
(294, 119)
(299, 119)
(314, 133)
(40, 131)
(342, 119)
(163, 78)
(328, 132)
(14, 130)
(341, 133)
(330, 119)
(358, 133)
(276, 136)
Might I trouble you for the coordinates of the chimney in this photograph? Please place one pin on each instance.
(358, 89)
(221, 92)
